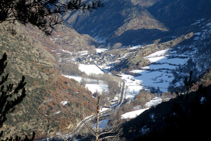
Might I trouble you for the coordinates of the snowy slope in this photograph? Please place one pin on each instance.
(97, 87)
(89, 69)
(133, 114)
(91, 84)
(158, 75)
(172, 65)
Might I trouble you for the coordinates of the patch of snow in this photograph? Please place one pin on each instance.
(126, 54)
(77, 78)
(133, 114)
(145, 67)
(132, 85)
(104, 109)
(135, 47)
(162, 66)
(57, 112)
(155, 79)
(158, 53)
(85, 52)
(137, 107)
(132, 90)
(126, 77)
(158, 74)
(103, 124)
(105, 67)
(136, 71)
(175, 61)
(49, 100)
(58, 133)
(66, 51)
(97, 88)
(92, 85)
(64, 102)
(100, 50)
(155, 59)
(155, 101)
(90, 69)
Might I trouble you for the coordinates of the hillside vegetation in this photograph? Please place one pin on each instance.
(43, 110)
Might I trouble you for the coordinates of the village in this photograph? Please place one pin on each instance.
(96, 58)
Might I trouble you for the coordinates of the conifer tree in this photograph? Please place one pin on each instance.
(10, 96)
(44, 14)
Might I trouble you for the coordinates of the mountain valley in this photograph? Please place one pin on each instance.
(135, 54)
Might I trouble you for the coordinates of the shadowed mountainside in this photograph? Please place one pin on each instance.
(133, 22)
(119, 16)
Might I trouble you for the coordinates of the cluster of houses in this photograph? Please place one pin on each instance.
(98, 59)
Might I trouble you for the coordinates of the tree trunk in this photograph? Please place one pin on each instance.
(98, 118)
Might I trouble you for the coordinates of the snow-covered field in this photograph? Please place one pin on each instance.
(154, 57)
(132, 85)
(91, 84)
(97, 87)
(90, 69)
(157, 75)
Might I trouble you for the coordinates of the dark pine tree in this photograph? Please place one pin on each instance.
(10, 96)
(44, 14)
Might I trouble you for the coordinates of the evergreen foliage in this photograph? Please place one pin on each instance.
(41, 13)
(10, 96)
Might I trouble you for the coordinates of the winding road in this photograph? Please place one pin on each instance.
(102, 114)
(87, 119)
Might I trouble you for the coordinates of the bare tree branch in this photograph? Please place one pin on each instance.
(112, 132)
(91, 129)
